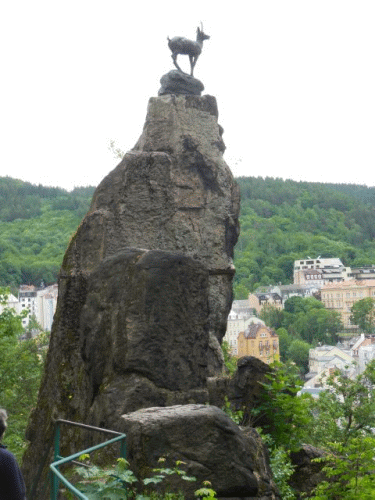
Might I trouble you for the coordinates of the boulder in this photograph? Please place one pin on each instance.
(176, 82)
(243, 390)
(307, 473)
(267, 489)
(211, 446)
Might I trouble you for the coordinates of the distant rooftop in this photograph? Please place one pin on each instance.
(349, 284)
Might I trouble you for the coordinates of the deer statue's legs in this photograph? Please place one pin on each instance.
(174, 57)
(192, 64)
(193, 61)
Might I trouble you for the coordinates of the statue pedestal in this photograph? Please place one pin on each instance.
(176, 82)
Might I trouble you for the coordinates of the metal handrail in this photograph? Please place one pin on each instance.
(58, 460)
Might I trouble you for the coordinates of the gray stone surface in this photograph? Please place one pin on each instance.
(176, 82)
(243, 390)
(146, 283)
(267, 489)
(212, 447)
(307, 473)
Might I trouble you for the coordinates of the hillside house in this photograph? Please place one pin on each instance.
(12, 303)
(239, 317)
(341, 297)
(259, 341)
(276, 296)
(319, 271)
(327, 356)
(40, 303)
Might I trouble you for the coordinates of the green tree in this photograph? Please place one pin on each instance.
(346, 409)
(349, 470)
(317, 325)
(20, 373)
(363, 314)
(294, 305)
(230, 361)
(298, 351)
(284, 342)
(272, 316)
(286, 417)
(240, 292)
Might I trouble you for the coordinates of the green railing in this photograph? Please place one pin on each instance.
(57, 477)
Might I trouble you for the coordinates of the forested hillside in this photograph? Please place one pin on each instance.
(36, 223)
(281, 221)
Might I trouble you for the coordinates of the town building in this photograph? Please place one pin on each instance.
(46, 306)
(40, 303)
(362, 273)
(319, 271)
(363, 350)
(259, 341)
(366, 354)
(323, 361)
(27, 300)
(11, 303)
(341, 297)
(328, 356)
(276, 296)
(239, 317)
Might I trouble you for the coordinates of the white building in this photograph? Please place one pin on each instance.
(365, 355)
(239, 317)
(319, 271)
(325, 357)
(39, 303)
(12, 303)
(46, 306)
(27, 301)
(363, 350)
(323, 361)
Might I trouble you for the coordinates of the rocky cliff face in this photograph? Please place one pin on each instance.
(145, 285)
(172, 192)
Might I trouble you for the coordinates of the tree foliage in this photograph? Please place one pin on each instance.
(286, 416)
(20, 372)
(36, 224)
(347, 408)
(349, 470)
(363, 314)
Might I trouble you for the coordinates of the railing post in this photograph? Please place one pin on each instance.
(56, 454)
(123, 448)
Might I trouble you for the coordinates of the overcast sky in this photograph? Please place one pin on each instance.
(294, 81)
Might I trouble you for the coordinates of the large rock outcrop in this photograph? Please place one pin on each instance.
(204, 438)
(172, 192)
(146, 283)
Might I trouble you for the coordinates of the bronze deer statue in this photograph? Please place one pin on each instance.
(184, 46)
